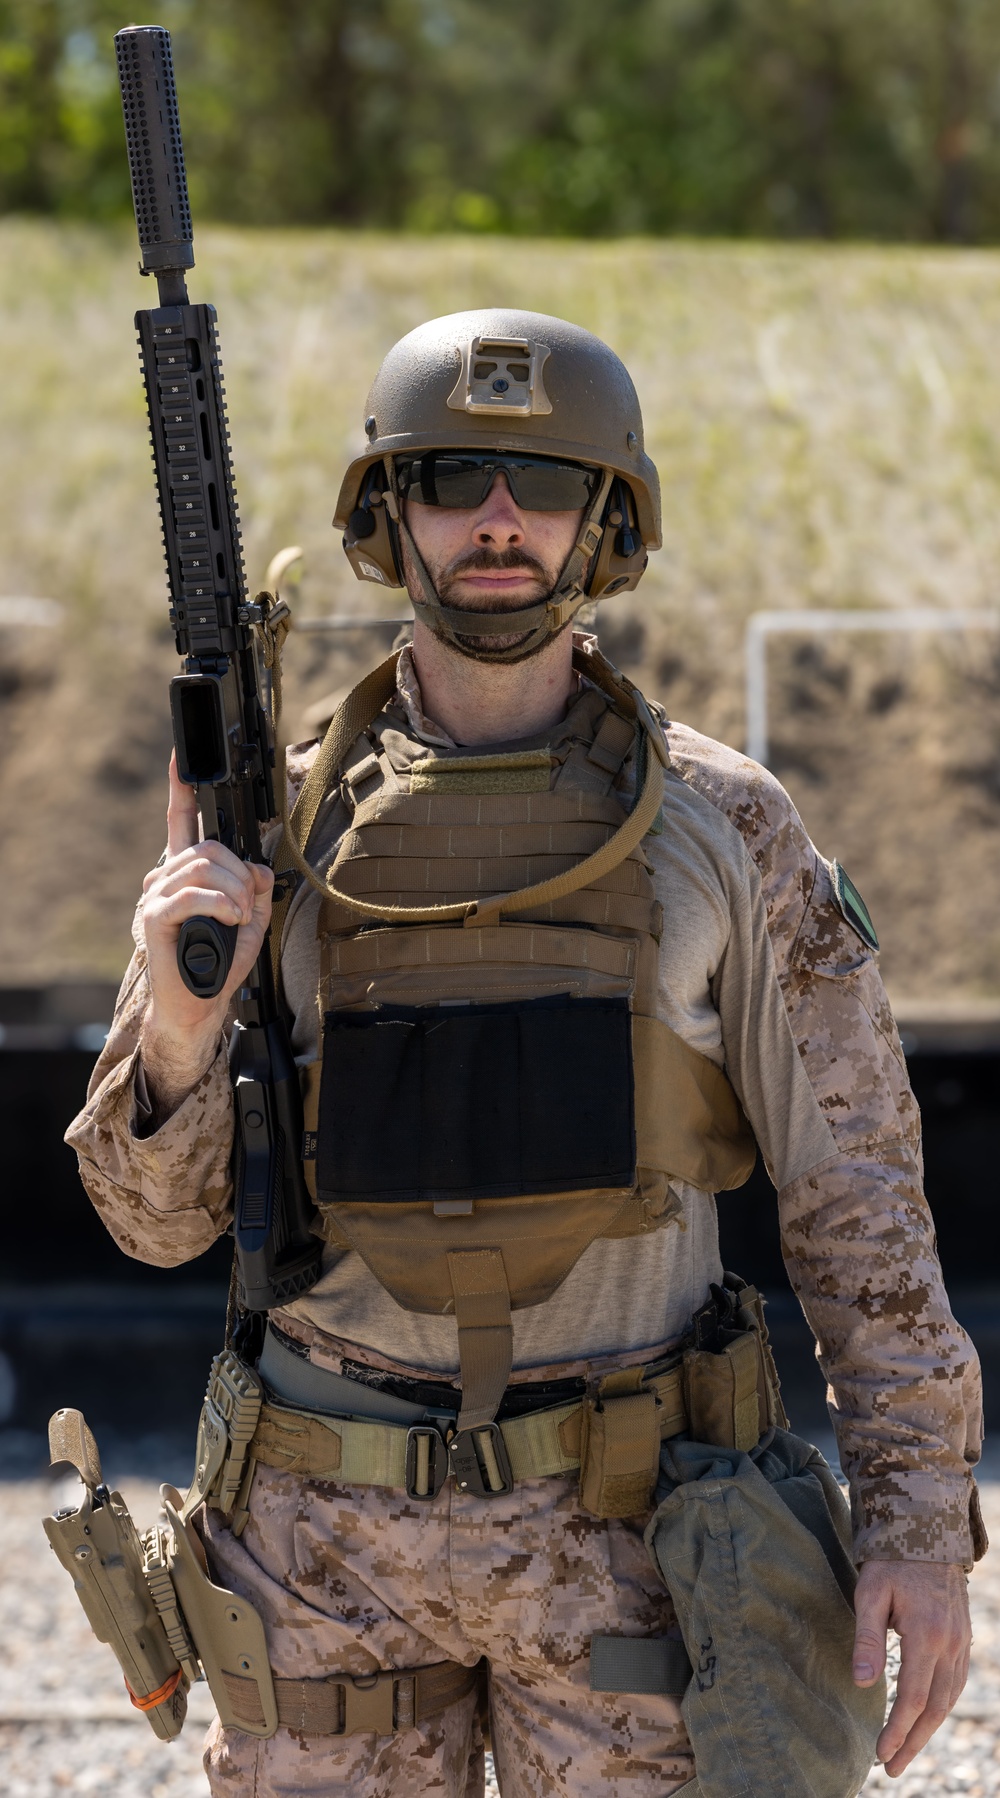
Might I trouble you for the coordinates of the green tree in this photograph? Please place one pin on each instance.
(789, 118)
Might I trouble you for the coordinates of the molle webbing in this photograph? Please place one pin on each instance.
(359, 712)
(424, 847)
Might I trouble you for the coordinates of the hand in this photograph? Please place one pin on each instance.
(180, 1034)
(927, 1604)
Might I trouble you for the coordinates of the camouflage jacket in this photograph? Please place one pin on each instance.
(857, 1234)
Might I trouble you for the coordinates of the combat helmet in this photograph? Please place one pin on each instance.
(519, 383)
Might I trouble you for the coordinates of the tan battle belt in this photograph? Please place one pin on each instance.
(348, 1705)
(727, 1396)
(356, 1453)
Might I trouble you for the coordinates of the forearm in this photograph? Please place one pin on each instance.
(173, 1064)
(163, 1193)
(904, 1376)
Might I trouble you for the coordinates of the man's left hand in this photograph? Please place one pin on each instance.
(927, 1604)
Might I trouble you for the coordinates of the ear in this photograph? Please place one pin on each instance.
(371, 540)
(621, 556)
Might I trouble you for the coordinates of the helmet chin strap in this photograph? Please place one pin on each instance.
(542, 620)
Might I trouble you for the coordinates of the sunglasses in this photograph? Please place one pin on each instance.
(463, 479)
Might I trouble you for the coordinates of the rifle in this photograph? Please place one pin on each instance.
(222, 735)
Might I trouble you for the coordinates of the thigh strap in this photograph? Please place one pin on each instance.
(382, 1704)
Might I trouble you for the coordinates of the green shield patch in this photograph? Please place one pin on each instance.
(853, 906)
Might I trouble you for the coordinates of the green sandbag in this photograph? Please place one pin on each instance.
(755, 1551)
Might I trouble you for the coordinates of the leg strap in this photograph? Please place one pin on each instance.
(381, 1704)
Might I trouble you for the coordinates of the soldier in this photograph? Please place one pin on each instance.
(546, 943)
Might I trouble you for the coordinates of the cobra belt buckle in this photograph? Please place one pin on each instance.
(480, 1462)
(426, 1461)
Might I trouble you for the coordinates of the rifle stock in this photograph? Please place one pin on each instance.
(222, 735)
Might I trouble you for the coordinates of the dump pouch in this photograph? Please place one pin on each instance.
(754, 1549)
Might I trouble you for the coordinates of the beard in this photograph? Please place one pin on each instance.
(488, 561)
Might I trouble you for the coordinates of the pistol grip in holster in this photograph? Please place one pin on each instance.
(100, 1549)
(151, 1598)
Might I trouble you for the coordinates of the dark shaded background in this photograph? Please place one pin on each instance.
(81, 1324)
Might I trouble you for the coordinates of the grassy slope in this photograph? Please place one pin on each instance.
(823, 421)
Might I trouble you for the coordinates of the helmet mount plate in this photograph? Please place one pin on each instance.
(510, 381)
(501, 377)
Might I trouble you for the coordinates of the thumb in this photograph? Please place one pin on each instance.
(872, 1608)
(182, 813)
(263, 884)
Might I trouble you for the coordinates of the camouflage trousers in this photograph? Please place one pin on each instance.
(352, 1579)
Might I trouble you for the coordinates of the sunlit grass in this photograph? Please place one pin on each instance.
(823, 421)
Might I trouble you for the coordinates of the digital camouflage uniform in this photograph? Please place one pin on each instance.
(356, 1579)
(525, 1579)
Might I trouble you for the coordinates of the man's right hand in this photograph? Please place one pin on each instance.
(180, 1033)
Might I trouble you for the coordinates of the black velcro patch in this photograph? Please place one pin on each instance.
(438, 1103)
(853, 907)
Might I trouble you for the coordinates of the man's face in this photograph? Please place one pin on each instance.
(494, 558)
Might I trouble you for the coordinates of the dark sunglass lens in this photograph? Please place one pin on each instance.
(460, 480)
(436, 480)
(552, 486)
(537, 484)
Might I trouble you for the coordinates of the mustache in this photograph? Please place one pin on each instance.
(493, 561)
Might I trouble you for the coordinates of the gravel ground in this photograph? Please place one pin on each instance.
(66, 1726)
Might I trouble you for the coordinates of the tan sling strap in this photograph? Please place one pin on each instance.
(359, 711)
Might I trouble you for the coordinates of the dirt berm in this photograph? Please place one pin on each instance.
(824, 425)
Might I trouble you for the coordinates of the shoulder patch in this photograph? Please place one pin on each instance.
(852, 906)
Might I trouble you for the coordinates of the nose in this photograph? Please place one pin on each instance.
(499, 522)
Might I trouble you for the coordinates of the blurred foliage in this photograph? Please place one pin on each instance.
(786, 118)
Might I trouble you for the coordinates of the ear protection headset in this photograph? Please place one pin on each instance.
(372, 538)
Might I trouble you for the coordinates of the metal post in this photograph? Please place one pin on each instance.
(761, 625)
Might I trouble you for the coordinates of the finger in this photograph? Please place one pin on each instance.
(916, 1676)
(263, 891)
(872, 1606)
(174, 909)
(182, 813)
(263, 876)
(932, 1714)
(154, 873)
(196, 870)
(961, 1674)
